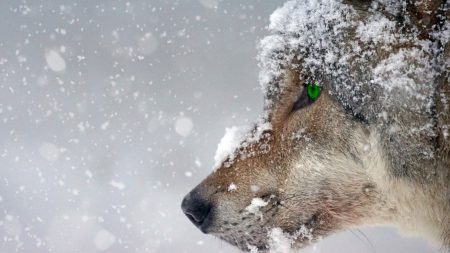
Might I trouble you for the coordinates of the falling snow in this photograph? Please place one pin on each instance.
(104, 240)
(55, 61)
(117, 184)
(183, 126)
(111, 111)
(50, 152)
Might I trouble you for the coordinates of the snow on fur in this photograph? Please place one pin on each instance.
(236, 138)
(281, 242)
(232, 187)
(354, 57)
(228, 144)
(255, 205)
(303, 28)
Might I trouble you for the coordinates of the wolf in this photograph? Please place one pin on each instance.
(355, 129)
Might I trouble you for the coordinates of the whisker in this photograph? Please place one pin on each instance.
(367, 240)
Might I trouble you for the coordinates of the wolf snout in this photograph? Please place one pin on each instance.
(197, 209)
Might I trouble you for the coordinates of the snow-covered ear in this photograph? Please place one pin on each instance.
(291, 84)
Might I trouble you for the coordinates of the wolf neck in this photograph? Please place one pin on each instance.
(415, 208)
(419, 210)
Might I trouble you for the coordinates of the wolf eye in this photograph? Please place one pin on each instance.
(310, 93)
(313, 91)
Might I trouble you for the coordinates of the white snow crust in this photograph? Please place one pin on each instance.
(255, 205)
(228, 144)
(238, 137)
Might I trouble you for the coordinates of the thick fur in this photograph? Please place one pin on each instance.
(354, 157)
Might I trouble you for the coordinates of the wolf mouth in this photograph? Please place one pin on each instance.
(302, 234)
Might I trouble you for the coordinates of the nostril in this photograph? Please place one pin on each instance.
(198, 216)
(196, 208)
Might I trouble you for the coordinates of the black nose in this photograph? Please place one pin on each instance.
(196, 209)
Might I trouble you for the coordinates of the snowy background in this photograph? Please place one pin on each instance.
(111, 111)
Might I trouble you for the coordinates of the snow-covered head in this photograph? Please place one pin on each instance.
(291, 183)
(306, 169)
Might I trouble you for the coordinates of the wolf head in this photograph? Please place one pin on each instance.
(305, 176)
(314, 165)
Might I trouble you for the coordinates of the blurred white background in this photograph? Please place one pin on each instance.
(111, 111)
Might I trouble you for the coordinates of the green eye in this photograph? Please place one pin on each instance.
(313, 91)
